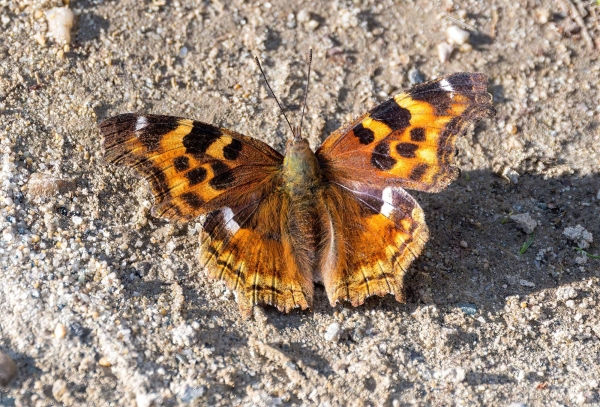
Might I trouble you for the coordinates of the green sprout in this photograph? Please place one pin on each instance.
(506, 218)
(527, 243)
(591, 256)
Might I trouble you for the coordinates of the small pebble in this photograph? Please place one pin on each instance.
(77, 220)
(59, 388)
(464, 244)
(313, 24)
(45, 185)
(457, 35)
(526, 283)
(525, 222)
(444, 51)
(511, 128)
(8, 369)
(570, 303)
(104, 362)
(415, 77)
(60, 331)
(512, 175)
(579, 235)
(303, 16)
(60, 21)
(468, 309)
(333, 332)
(542, 15)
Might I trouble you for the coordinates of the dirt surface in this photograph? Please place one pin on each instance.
(101, 304)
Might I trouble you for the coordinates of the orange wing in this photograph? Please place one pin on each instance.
(409, 140)
(373, 237)
(373, 228)
(250, 247)
(193, 167)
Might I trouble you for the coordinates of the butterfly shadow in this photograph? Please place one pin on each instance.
(473, 256)
(477, 255)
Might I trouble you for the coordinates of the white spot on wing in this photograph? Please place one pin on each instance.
(445, 85)
(231, 225)
(386, 197)
(141, 122)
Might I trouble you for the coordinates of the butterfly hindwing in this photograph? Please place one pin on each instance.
(374, 234)
(251, 249)
(193, 167)
(409, 140)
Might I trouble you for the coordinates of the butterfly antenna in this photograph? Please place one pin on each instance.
(273, 93)
(305, 92)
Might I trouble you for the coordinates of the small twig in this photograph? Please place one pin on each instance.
(458, 22)
(579, 20)
(494, 22)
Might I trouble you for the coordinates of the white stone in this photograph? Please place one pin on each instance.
(579, 235)
(60, 21)
(566, 293)
(457, 35)
(525, 222)
(332, 333)
(444, 51)
(60, 331)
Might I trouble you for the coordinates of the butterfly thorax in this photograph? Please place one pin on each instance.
(301, 172)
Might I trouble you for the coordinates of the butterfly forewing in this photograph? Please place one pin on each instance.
(193, 167)
(409, 140)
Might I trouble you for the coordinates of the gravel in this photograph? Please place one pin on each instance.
(102, 303)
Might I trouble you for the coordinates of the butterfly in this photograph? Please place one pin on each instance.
(276, 224)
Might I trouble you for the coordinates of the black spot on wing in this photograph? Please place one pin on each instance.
(192, 200)
(200, 138)
(364, 135)
(232, 150)
(181, 163)
(417, 134)
(223, 177)
(407, 150)
(381, 158)
(418, 172)
(196, 176)
(392, 115)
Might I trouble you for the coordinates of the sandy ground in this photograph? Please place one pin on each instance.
(101, 304)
